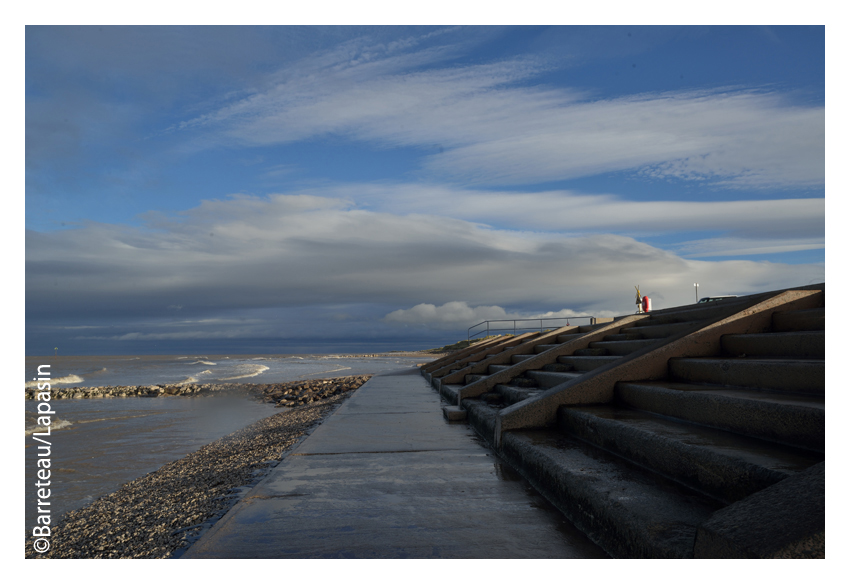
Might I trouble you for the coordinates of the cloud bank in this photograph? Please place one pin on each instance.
(289, 252)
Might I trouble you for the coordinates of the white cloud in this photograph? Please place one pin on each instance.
(494, 130)
(737, 246)
(568, 211)
(455, 315)
(451, 313)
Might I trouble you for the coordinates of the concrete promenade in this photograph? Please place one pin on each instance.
(386, 476)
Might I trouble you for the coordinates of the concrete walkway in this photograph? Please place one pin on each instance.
(386, 477)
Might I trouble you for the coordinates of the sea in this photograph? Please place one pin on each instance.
(97, 445)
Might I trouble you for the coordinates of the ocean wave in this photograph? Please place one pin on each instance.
(56, 424)
(322, 372)
(107, 419)
(193, 378)
(201, 363)
(246, 371)
(55, 381)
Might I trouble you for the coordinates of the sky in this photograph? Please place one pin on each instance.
(305, 189)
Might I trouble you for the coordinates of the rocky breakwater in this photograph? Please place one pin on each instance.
(299, 393)
(289, 394)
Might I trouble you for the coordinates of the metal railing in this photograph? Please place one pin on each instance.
(489, 329)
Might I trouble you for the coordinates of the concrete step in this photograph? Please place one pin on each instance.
(622, 337)
(628, 511)
(519, 358)
(547, 379)
(523, 382)
(589, 328)
(454, 414)
(543, 348)
(569, 337)
(651, 330)
(694, 312)
(795, 344)
(472, 378)
(622, 347)
(496, 368)
(813, 319)
(795, 420)
(560, 367)
(450, 392)
(580, 363)
(591, 352)
(512, 395)
(718, 463)
(800, 376)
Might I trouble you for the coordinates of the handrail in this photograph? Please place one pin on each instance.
(488, 330)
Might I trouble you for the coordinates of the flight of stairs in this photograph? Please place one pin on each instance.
(657, 470)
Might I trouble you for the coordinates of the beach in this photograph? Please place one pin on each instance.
(163, 512)
(139, 470)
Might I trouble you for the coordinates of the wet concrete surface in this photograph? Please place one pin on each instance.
(387, 477)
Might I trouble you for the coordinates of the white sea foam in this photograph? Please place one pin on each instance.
(57, 424)
(194, 378)
(202, 363)
(322, 372)
(68, 379)
(111, 418)
(247, 370)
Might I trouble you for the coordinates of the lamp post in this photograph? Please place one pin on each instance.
(696, 292)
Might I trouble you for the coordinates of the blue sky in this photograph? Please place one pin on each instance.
(327, 189)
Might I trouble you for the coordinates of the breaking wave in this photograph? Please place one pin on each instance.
(247, 370)
(193, 378)
(68, 379)
(31, 424)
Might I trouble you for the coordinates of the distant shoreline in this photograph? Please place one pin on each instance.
(70, 386)
(419, 353)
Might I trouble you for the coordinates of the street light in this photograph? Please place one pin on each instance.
(696, 292)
